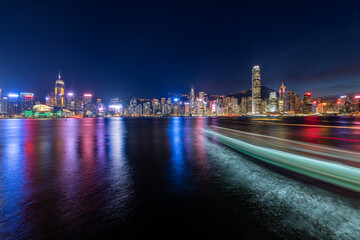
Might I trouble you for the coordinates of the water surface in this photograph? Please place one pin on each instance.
(138, 178)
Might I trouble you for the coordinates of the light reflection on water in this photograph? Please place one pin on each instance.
(91, 178)
(290, 208)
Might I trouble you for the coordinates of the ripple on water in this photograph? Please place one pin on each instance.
(291, 208)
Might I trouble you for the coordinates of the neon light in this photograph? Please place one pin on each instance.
(87, 95)
(315, 102)
(70, 94)
(342, 96)
(176, 99)
(308, 94)
(13, 95)
(357, 97)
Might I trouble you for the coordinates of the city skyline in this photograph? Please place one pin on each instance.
(142, 49)
(40, 97)
(258, 101)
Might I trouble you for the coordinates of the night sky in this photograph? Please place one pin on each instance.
(151, 48)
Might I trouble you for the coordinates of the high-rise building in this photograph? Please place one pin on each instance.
(26, 102)
(192, 101)
(87, 98)
(298, 104)
(100, 108)
(133, 106)
(246, 105)
(234, 106)
(156, 107)
(139, 111)
(201, 103)
(273, 102)
(4, 105)
(59, 92)
(187, 108)
(70, 101)
(13, 105)
(282, 91)
(256, 90)
(50, 99)
(289, 102)
(163, 101)
(146, 109)
(307, 103)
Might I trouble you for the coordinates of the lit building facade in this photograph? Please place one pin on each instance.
(282, 91)
(192, 101)
(59, 92)
(273, 102)
(26, 102)
(13, 104)
(256, 90)
(70, 101)
(307, 103)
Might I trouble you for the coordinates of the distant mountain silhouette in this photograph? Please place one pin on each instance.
(265, 93)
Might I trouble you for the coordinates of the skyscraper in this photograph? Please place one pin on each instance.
(273, 102)
(70, 101)
(13, 104)
(282, 91)
(201, 103)
(307, 103)
(256, 90)
(59, 92)
(26, 102)
(87, 98)
(192, 101)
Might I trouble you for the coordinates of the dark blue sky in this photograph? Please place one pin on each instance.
(150, 48)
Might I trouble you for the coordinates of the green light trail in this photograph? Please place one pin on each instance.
(334, 173)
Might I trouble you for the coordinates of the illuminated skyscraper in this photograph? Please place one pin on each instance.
(4, 105)
(290, 100)
(26, 102)
(273, 102)
(256, 90)
(13, 104)
(133, 106)
(146, 109)
(307, 103)
(59, 92)
(70, 101)
(192, 101)
(201, 103)
(282, 91)
(87, 98)
(156, 107)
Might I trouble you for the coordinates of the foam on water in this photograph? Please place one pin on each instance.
(290, 207)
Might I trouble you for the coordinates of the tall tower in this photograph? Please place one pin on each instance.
(59, 92)
(282, 91)
(256, 90)
(192, 100)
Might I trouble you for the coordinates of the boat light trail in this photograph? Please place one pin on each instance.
(292, 124)
(331, 172)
